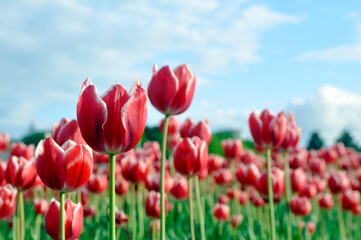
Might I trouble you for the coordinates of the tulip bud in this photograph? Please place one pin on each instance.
(221, 212)
(121, 187)
(350, 199)
(8, 198)
(97, 183)
(223, 177)
(298, 179)
(223, 199)
(338, 182)
(40, 206)
(89, 211)
(19, 149)
(237, 220)
(215, 162)
(4, 141)
(232, 148)
(152, 204)
(180, 187)
(277, 184)
(2, 173)
(300, 206)
(172, 125)
(67, 130)
(325, 201)
(21, 173)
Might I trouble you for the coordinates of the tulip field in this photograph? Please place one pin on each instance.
(99, 177)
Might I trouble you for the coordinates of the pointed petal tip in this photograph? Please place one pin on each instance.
(155, 68)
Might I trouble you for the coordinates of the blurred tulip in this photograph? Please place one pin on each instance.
(215, 162)
(134, 170)
(63, 168)
(190, 156)
(221, 212)
(300, 206)
(223, 177)
(21, 173)
(152, 182)
(277, 184)
(268, 131)
(172, 125)
(171, 92)
(67, 130)
(100, 158)
(40, 206)
(230, 193)
(338, 182)
(223, 199)
(97, 183)
(121, 187)
(152, 204)
(309, 190)
(84, 195)
(311, 227)
(317, 165)
(293, 134)
(242, 198)
(3, 167)
(4, 141)
(350, 199)
(121, 218)
(325, 201)
(154, 223)
(232, 148)
(19, 149)
(114, 122)
(298, 158)
(252, 174)
(73, 219)
(237, 220)
(298, 179)
(330, 155)
(89, 211)
(8, 199)
(180, 187)
(185, 128)
(201, 130)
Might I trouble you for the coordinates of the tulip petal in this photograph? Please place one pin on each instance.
(114, 131)
(134, 116)
(77, 221)
(91, 114)
(162, 89)
(52, 219)
(79, 165)
(255, 125)
(50, 164)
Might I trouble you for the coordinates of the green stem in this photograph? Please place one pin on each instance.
(250, 219)
(78, 194)
(234, 186)
(134, 214)
(190, 199)
(288, 194)
(21, 215)
(220, 227)
(140, 210)
(62, 216)
(340, 219)
(112, 196)
(270, 196)
(38, 226)
(308, 235)
(162, 173)
(16, 222)
(154, 232)
(200, 208)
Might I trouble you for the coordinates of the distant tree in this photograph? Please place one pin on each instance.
(315, 142)
(347, 140)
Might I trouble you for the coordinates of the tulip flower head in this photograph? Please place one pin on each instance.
(300, 206)
(232, 148)
(97, 183)
(172, 125)
(19, 149)
(73, 219)
(190, 156)
(3, 167)
(278, 184)
(4, 141)
(114, 122)
(67, 130)
(221, 212)
(171, 92)
(293, 134)
(64, 168)
(40, 206)
(201, 130)
(8, 197)
(268, 131)
(152, 205)
(180, 187)
(21, 173)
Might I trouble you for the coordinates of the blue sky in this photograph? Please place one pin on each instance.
(301, 56)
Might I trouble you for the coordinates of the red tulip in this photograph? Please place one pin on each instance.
(350, 199)
(237, 220)
(190, 156)
(258, 201)
(121, 218)
(317, 165)
(298, 179)
(67, 130)
(89, 211)
(221, 212)
(40, 206)
(231, 193)
(171, 92)
(97, 183)
(4, 141)
(268, 131)
(311, 227)
(298, 158)
(242, 198)
(154, 223)
(223, 177)
(201, 130)
(309, 190)
(152, 182)
(152, 205)
(133, 170)
(84, 195)
(3, 166)
(223, 199)
(248, 157)
(232, 148)
(300, 206)
(277, 184)
(325, 201)
(251, 175)
(357, 210)
(8, 197)
(185, 128)
(293, 134)
(63, 168)
(330, 155)
(338, 182)
(215, 162)
(172, 125)
(152, 149)
(73, 219)
(180, 187)
(19, 149)
(121, 187)
(21, 173)
(100, 158)
(115, 122)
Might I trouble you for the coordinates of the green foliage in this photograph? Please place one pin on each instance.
(315, 142)
(34, 138)
(347, 140)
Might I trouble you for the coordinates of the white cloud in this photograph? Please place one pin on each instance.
(330, 110)
(348, 53)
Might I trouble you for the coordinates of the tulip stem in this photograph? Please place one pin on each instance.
(140, 210)
(270, 196)
(16, 231)
(133, 211)
(38, 226)
(340, 219)
(62, 217)
(288, 194)
(162, 173)
(112, 196)
(220, 227)
(190, 200)
(200, 208)
(21, 215)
